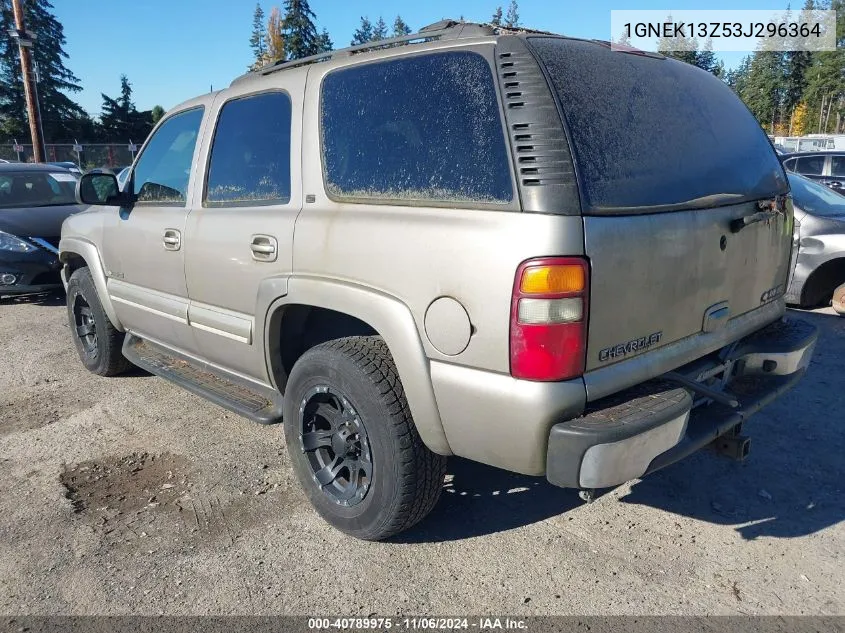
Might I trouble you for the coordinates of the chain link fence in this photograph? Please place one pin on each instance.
(85, 155)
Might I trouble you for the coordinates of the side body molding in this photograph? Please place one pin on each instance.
(385, 314)
(87, 251)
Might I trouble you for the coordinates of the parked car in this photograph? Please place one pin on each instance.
(69, 165)
(406, 253)
(827, 168)
(34, 201)
(818, 277)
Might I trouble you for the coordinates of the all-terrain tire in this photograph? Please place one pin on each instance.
(97, 341)
(407, 478)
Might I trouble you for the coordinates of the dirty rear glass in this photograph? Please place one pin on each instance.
(655, 134)
(417, 128)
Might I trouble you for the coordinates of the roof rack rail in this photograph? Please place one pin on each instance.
(443, 30)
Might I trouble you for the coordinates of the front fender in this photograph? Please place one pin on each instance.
(69, 246)
(391, 319)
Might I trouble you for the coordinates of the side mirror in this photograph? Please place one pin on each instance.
(99, 188)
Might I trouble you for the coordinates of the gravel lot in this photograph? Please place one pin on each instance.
(128, 495)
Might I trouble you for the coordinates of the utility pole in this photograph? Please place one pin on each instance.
(25, 39)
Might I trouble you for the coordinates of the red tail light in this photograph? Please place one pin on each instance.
(548, 334)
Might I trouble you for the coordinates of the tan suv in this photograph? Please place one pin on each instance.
(468, 241)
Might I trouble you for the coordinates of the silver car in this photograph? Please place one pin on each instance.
(818, 277)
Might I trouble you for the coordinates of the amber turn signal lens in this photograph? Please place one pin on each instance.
(538, 280)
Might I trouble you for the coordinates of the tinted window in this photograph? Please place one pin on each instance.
(790, 164)
(651, 132)
(811, 197)
(250, 157)
(37, 189)
(837, 166)
(163, 169)
(416, 128)
(810, 165)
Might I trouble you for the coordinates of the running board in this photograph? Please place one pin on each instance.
(259, 405)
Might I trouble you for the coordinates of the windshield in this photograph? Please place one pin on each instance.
(656, 134)
(37, 189)
(811, 197)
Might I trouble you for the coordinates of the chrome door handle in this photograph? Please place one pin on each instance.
(172, 239)
(263, 248)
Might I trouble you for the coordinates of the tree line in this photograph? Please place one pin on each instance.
(62, 119)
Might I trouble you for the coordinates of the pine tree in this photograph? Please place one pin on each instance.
(706, 58)
(764, 89)
(257, 41)
(496, 20)
(275, 39)
(379, 31)
(512, 16)
(61, 117)
(156, 114)
(400, 28)
(737, 79)
(298, 30)
(324, 42)
(363, 33)
(120, 120)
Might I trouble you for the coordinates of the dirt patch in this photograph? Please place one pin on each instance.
(50, 403)
(147, 497)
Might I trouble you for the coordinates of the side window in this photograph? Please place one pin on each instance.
(837, 166)
(425, 127)
(162, 172)
(810, 165)
(789, 164)
(250, 155)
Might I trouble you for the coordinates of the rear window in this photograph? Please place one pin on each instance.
(649, 132)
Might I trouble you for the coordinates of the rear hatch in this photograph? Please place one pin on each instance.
(667, 158)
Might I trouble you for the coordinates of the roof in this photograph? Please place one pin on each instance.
(445, 30)
(19, 167)
(817, 152)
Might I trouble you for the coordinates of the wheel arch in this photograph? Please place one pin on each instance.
(341, 309)
(75, 253)
(823, 280)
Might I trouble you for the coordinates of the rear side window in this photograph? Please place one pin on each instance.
(810, 165)
(837, 166)
(250, 154)
(416, 128)
(789, 165)
(650, 133)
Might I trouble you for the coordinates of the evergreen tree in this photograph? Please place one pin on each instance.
(682, 48)
(496, 20)
(512, 16)
(257, 41)
(764, 89)
(324, 42)
(298, 30)
(120, 120)
(400, 28)
(363, 33)
(61, 117)
(156, 114)
(706, 58)
(737, 79)
(379, 31)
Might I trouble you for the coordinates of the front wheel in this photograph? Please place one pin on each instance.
(353, 443)
(97, 341)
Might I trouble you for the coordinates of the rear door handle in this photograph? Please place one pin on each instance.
(264, 248)
(172, 239)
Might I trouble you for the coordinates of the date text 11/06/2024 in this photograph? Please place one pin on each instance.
(383, 624)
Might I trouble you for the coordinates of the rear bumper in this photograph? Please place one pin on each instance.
(657, 423)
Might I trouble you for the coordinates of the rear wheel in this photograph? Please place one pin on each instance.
(353, 443)
(838, 300)
(97, 341)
